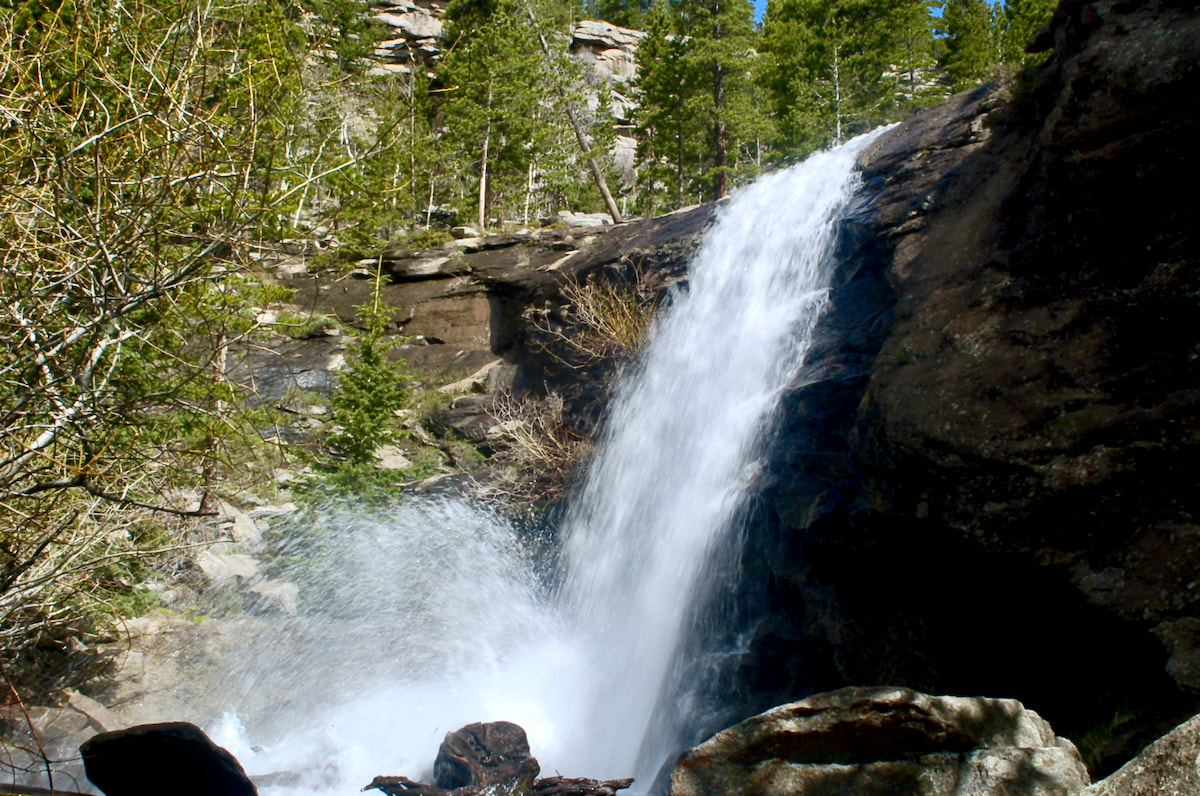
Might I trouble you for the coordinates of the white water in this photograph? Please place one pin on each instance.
(461, 627)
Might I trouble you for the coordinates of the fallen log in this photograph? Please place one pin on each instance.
(564, 786)
(403, 786)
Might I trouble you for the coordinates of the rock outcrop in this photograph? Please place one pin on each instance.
(885, 740)
(609, 48)
(413, 32)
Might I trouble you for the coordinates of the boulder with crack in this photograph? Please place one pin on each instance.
(885, 740)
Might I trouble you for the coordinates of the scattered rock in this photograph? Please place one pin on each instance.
(564, 786)
(885, 740)
(1182, 637)
(492, 759)
(277, 596)
(471, 416)
(245, 530)
(267, 512)
(391, 457)
(486, 754)
(153, 759)
(220, 568)
(584, 219)
(1168, 767)
(476, 382)
(98, 714)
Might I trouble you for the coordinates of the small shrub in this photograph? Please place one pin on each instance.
(370, 388)
(541, 450)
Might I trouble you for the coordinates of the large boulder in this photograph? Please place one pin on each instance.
(866, 741)
(486, 754)
(1168, 767)
(153, 759)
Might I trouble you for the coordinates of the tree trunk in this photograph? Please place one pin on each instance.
(720, 142)
(837, 98)
(573, 117)
(483, 168)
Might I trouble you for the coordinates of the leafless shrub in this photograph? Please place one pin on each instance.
(540, 450)
(602, 319)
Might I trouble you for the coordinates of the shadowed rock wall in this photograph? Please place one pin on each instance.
(991, 490)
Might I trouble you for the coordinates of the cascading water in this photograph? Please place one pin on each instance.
(461, 628)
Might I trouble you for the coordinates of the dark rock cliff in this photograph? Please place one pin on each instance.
(991, 488)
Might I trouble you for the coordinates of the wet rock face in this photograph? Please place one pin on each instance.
(885, 740)
(1005, 489)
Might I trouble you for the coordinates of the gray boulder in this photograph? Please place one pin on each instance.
(867, 741)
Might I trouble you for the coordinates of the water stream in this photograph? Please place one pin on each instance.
(436, 616)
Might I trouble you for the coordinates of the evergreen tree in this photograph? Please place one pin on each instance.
(626, 13)
(370, 389)
(668, 132)
(719, 59)
(698, 106)
(970, 38)
(1019, 21)
(491, 80)
(828, 62)
(914, 57)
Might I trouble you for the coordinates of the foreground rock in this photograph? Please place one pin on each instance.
(885, 741)
(492, 759)
(153, 759)
(1168, 767)
(481, 755)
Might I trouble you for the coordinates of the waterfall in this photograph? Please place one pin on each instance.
(462, 628)
(683, 443)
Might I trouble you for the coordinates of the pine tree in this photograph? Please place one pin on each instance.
(699, 117)
(971, 47)
(667, 130)
(914, 56)
(1019, 21)
(626, 13)
(718, 60)
(491, 80)
(828, 60)
(370, 389)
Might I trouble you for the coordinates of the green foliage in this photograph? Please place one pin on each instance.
(626, 13)
(491, 82)
(1092, 744)
(370, 389)
(700, 117)
(1017, 23)
(837, 67)
(142, 148)
(971, 42)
